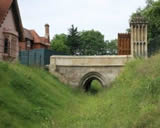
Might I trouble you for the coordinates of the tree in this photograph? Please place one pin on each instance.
(152, 14)
(92, 43)
(59, 44)
(112, 47)
(149, 3)
(89, 42)
(128, 30)
(73, 40)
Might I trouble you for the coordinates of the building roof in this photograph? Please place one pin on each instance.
(28, 34)
(35, 36)
(5, 5)
(43, 39)
(38, 39)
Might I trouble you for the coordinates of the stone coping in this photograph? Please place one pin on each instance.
(91, 57)
(89, 61)
(107, 65)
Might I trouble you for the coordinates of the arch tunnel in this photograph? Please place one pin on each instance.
(87, 80)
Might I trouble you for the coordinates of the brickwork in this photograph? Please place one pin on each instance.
(38, 46)
(22, 46)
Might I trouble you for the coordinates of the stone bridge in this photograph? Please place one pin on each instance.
(80, 71)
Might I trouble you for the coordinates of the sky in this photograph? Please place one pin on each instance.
(110, 17)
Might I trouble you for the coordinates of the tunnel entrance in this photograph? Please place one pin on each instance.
(92, 82)
(93, 86)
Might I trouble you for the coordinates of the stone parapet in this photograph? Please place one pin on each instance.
(89, 60)
(80, 71)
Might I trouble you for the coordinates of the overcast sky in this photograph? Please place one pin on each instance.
(107, 16)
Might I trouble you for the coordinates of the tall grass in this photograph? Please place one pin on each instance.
(32, 98)
(29, 97)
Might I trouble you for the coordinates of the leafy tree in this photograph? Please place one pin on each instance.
(59, 44)
(73, 40)
(152, 13)
(92, 43)
(149, 3)
(128, 30)
(89, 42)
(111, 47)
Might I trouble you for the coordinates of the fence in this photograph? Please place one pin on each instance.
(36, 57)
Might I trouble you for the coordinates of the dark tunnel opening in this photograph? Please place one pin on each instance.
(93, 86)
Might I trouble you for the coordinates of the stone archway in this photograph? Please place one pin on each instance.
(87, 79)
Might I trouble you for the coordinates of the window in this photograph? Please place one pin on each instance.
(11, 45)
(6, 45)
(28, 44)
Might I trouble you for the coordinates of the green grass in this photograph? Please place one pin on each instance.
(95, 88)
(32, 98)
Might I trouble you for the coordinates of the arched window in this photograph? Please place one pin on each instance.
(6, 45)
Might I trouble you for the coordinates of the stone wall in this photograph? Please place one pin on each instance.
(74, 70)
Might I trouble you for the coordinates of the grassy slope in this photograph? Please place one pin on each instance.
(31, 98)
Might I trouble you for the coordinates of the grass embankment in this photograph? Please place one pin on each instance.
(32, 98)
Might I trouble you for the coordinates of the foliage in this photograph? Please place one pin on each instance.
(95, 88)
(73, 40)
(149, 3)
(32, 98)
(29, 97)
(92, 43)
(59, 44)
(88, 42)
(152, 13)
(112, 47)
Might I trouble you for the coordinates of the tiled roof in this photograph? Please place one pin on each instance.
(4, 7)
(38, 39)
(28, 34)
(43, 39)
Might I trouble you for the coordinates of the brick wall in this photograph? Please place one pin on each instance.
(22, 46)
(38, 46)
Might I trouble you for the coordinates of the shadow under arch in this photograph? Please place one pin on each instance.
(87, 79)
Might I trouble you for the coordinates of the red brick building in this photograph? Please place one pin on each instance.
(11, 30)
(28, 41)
(34, 41)
(124, 44)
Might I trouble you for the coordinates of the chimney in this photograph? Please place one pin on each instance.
(47, 32)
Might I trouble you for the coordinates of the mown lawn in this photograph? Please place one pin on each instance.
(32, 98)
